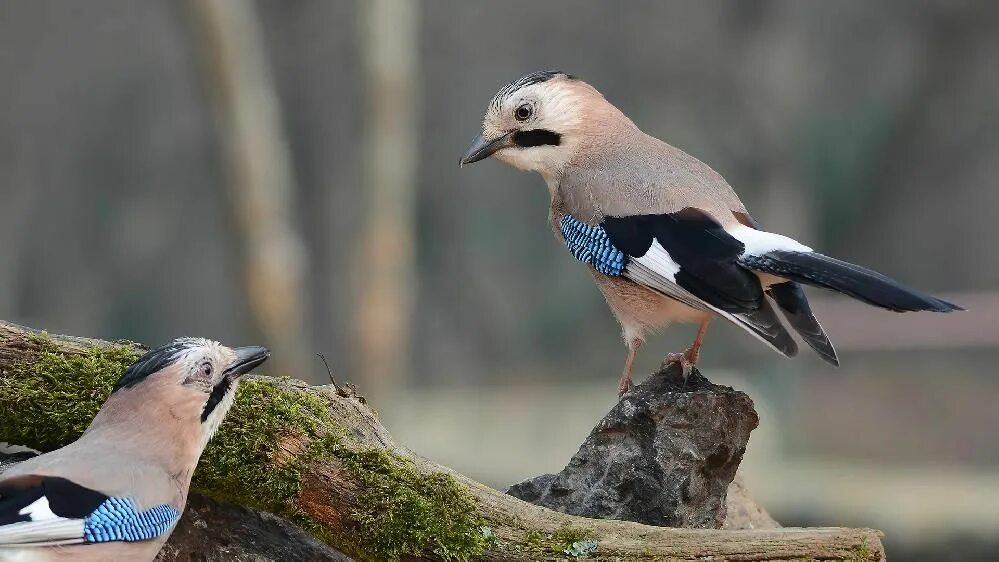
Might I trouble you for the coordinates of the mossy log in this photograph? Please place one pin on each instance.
(318, 457)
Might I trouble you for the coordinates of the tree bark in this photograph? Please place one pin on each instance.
(331, 495)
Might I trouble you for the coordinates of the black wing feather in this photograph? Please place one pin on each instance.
(66, 498)
(791, 300)
(707, 255)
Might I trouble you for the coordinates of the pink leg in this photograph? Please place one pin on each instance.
(689, 358)
(625, 384)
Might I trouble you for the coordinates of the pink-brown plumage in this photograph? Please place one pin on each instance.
(665, 237)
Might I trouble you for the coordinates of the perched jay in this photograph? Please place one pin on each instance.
(664, 236)
(117, 491)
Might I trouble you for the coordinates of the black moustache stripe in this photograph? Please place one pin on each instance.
(537, 137)
(218, 392)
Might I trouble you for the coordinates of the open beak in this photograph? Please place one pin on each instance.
(482, 148)
(247, 359)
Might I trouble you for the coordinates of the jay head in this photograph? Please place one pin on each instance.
(117, 492)
(192, 381)
(664, 236)
(536, 123)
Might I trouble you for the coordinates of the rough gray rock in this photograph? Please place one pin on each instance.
(743, 511)
(664, 455)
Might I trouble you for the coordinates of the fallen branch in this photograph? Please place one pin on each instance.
(319, 457)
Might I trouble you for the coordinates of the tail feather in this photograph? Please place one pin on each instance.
(767, 327)
(790, 298)
(853, 280)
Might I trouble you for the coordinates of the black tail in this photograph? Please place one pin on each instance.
(765, 325)
(858, 282)
(792, 302)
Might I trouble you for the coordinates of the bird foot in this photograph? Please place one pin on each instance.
(624, 386)
(686, 360)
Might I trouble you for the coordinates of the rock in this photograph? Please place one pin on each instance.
(664, 455)
(743, 511)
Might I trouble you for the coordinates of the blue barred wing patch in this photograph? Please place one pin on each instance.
(591, 245)
(119, 519)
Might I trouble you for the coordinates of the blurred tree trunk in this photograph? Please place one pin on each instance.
(386, 273)
(232, 56)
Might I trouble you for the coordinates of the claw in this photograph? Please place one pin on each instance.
(624, 386)
(686, 365)
(685, 361)
(688, 358)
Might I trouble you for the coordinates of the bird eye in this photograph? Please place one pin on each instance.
(206, 369)
(523, 112)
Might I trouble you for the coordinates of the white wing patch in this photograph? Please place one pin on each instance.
(760, 242)
(39, 510)
(45, 528)
(657, 270)
(658, 260)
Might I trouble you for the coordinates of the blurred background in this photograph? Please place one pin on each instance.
(285, 173)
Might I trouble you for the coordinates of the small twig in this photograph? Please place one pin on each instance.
(330, 371)
(347, 390)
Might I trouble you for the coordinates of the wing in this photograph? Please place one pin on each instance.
(48, 510)
(44, 510)
(791, 301)
(687, 256)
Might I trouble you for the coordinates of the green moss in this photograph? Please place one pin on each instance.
(59, 393)
(401, 510)
(861, 553)
(410, 512)
(564, 537)
(249, 438)
(257, 457)
(573, 541)
(534, 538)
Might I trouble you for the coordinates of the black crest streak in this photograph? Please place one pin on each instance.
(524, 81)
(536, 137)
(155, 360)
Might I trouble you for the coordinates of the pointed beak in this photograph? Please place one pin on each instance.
(482, 148)
(247, 359)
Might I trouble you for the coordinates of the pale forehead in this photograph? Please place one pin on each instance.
(196, 351)
(180, 354)
(200, 348)
(533, 84)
